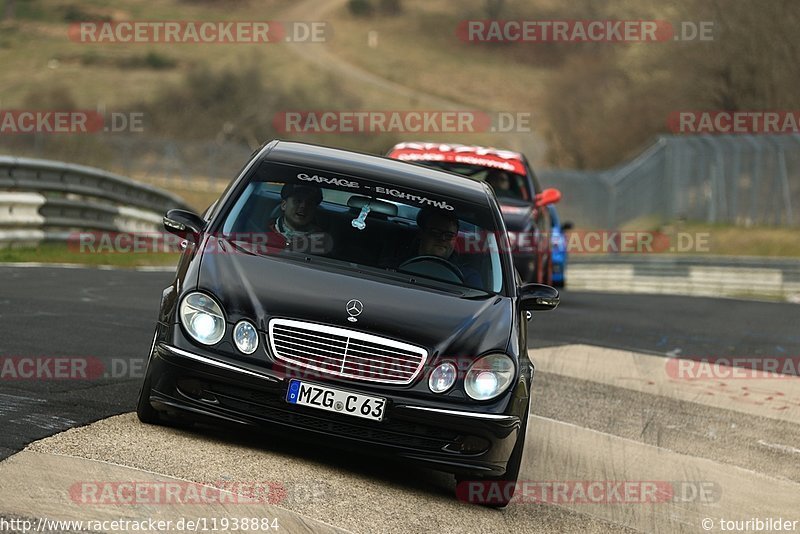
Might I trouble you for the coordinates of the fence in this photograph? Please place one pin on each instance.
(737, 179)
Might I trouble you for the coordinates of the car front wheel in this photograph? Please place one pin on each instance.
(144, 410)
(497, 492)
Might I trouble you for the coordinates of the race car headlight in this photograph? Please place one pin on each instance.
(202, 317)
(489, 376)
(245, 337)
(442, 378)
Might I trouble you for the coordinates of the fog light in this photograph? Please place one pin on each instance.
(246, 337)
(442, 378)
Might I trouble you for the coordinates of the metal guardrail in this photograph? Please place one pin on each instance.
(717, 276)
(43, 199)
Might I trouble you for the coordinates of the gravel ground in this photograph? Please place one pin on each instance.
(354, 492)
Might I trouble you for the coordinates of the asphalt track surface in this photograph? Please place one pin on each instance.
(109, 315)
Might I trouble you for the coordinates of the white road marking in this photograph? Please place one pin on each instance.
(777, 397)
(45, 485)
(779, 447)
(563, 452)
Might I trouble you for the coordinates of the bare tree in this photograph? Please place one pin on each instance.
(391, 7)
(494, 8)
(9, 9)
(604, 102)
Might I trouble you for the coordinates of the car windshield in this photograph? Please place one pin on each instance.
(506, 185)
(354, 221)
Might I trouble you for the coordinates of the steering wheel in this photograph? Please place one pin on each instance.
(437, 261)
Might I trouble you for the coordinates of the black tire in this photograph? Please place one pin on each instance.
(144, 410)
(508, 481)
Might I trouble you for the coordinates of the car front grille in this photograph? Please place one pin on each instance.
(346, 353)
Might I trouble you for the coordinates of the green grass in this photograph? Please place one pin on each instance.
(703, 239)
(724, 240)
(61, 253)
(760, 241)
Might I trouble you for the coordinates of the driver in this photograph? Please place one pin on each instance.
(437, 233)
(296, 223)
(298, 208)
(438, 230)
(500, 182)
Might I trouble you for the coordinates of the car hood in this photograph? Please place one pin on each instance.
(263, 287)
(516, 216)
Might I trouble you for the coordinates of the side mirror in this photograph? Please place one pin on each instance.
(547, 197)
(567, 226)
(183, 223)
(538, 297)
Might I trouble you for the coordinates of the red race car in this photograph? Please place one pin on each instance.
(518, 192)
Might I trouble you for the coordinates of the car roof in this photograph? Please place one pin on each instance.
(378, 168)
(455, 153)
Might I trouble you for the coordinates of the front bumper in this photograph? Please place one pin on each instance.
(190, 385)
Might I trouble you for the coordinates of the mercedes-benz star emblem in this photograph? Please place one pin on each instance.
(354, 308)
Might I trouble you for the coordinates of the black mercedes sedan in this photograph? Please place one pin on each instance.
(354, 298)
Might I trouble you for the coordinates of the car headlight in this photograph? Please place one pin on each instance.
(489, 376)
(442, 378)
(245, 337)
(202, 317)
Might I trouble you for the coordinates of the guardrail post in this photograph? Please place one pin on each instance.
(783, 178)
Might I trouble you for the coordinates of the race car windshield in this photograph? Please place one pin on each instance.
(383, 228)
(508, 185)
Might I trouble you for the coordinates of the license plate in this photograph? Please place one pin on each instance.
(335, 400)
